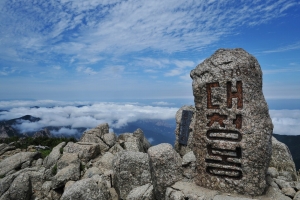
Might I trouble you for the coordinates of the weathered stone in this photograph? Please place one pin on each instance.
(233, 129)
(69, 173)
(297, 196)
(105, 162)
(297, 186)
(16, 161)
(67, 159)
(165, 164)
(172, 194)
(180, 148)
(290, 192)
(86, 151)
(21, 188)
(131, 170)
(224, 197)
(138, 133)
(282, 158)
(110, 139)
(189, 165)
(144, 192)
(86, 189)
(95, 134)
(132, 143)
(90, 172)
(273, 193)
(282, 183)
(115, 149)
(193, 191)
(55, 154)
(272, 171)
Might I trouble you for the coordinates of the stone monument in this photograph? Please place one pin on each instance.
(233, 129)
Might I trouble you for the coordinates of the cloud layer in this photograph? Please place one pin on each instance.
(89, 115)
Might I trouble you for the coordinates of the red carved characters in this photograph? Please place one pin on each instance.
(222, 160)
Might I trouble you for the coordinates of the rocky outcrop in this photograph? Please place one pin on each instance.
(15, 162)
(92, 189)
(158, 172)
(42, 133)
(282, 160)
(55, 154)
(165, 164)
(131, 170)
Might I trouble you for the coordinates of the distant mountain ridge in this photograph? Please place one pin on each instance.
(156, 131)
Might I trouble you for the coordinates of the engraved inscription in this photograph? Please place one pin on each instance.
(208, 91)
(227, 135)
(184, 126)
(218, 163)
(238, 94)
(216, 118)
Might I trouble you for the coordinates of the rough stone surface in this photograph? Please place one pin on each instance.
(282, 158)
(110, 139)
(184, 149)
(189, 165)
(115, 149)
(131, 170)
(105, 162)
(172, 194)
(16, 161)
(67, 159)
(233, 129)
(55, 154)
(165, 164)
(272, 171)
(21, 188)
(69, 173)
(86, 189)
(144, 192)
(193, 191)
(86, 151)
(90, 172)
(96, 134)
(297, 196)
(290, 192)
(143, 140)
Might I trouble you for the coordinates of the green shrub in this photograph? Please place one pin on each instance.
(82, 167)
(54, 170)
(61, 150)
(45, 152)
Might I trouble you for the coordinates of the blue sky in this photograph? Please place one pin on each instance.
(117, 50)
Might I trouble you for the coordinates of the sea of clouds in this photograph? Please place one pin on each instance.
(91, 114)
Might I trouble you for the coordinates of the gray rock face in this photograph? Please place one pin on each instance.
(69, 173)
(21, 188)
(16, 161)
(131, 170)
(144, 192)
(86, 151)
(233, 129)
(55, 154)
(184, 149)
(96, 134)
(282, 159)
(105, 162)
(165, 164)
(189, 165)
(87, 189)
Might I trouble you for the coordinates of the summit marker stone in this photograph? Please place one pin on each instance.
(233, 129)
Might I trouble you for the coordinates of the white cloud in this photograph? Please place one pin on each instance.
(88, 116)
(162, 103)
(85, 30)
(284, 48)
(286, 122)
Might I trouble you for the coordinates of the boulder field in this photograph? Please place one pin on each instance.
(109, 167)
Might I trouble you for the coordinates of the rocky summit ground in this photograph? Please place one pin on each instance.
(104, 166)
